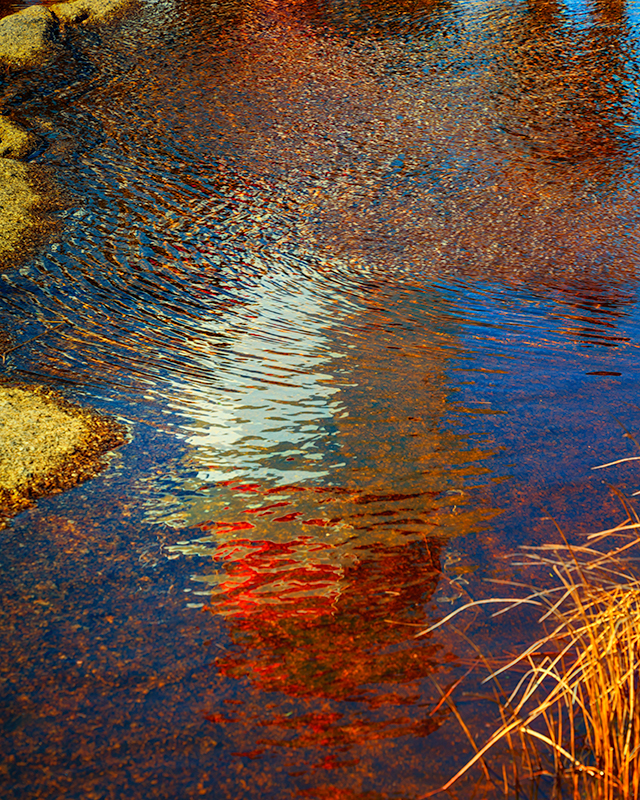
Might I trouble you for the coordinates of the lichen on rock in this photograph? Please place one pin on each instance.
(47, 445)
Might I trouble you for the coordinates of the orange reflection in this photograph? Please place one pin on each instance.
(351, 645)
(565, 108)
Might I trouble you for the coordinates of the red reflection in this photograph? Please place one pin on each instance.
(333, 625)
(262, 572)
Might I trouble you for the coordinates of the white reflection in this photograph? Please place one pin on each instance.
(274, 395)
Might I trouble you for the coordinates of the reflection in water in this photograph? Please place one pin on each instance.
(356, 646)
(331, 646)
(358, 392)
(355, 272)
(308, 557)
(591, 312)
(539, 186)
(565, 114)
(275, 400)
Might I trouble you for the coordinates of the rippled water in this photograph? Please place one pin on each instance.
(361, 280)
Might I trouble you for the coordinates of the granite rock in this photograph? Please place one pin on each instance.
(15, 142)
(29, 39)
(88, 12)
(47, 445)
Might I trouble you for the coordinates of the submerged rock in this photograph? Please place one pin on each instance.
(47, 445)
(17, 199)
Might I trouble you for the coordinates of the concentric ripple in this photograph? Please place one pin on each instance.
(362, 278)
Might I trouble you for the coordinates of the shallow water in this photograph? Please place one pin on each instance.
(361, 280)
(8, 7)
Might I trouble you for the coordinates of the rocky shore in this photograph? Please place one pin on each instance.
(46, 445)
(36, 42)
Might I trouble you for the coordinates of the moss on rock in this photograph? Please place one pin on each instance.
(47, 445)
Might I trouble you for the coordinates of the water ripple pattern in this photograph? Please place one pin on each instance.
(362, 279)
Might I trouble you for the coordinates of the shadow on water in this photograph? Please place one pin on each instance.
(361, 279)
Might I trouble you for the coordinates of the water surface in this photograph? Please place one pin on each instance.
(361, 280)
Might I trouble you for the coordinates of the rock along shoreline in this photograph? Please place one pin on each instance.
(46, 444)
(35, 42)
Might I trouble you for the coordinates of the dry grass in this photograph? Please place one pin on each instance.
(579, 700)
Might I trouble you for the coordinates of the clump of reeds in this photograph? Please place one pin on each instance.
(579, 695)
